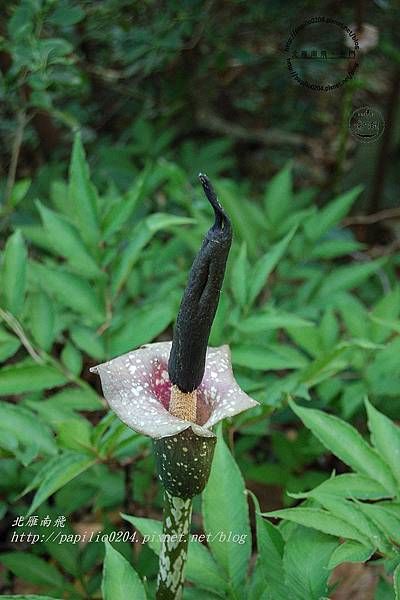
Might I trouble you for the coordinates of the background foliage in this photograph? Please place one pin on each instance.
(94, 257)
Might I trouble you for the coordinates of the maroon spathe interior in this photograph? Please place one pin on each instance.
(160, 385)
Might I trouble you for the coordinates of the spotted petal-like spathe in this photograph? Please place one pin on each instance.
(137, 387)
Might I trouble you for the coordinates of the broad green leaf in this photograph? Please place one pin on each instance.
(32, 568)
(120, 580)
(142, 326)
(334, 248)
(66, 242)
(42, 322)
(75, 434)
(121, 211)
(270, 547)
(319, 519)
(348, 485)
(266, 264)
(350, 551)
(9, 344)
(305, 559)
(239, 276)
(225, 507)
(348, 277)
(26, 427)
(78, 399)
(70, 465)
(89, 341)
(71, 358)
(72, 291)
(83, 195)
(201, 567)
(279, 195)
(331, 214)
(388, 523)
(13, 277)
(396, 582)
(140, 237)
(18, 379)
(271, 358)
(347, 444)
(19, 191)
(385, 436)
(259, 322)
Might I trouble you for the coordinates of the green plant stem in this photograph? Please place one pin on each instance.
(176, 530)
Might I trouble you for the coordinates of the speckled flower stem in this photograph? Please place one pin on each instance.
(176, 530)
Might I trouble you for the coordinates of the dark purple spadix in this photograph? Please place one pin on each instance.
(200, 300)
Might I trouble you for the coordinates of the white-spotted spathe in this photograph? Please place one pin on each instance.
(137, 387)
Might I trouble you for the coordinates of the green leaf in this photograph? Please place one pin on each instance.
(14, 273)
(279, 195)
(30, 567)
(72, 358)
(142, 326)
(396, 582)
(72, 291)
(306, 558)
(348, 485)
(266, 264)
(70, 465)
(120, 580)
(83, 195)
(319, 519)
(348, 277)
(271, 358)
(385, 436)
(89, 341)
(9, 344)
(75, 434)
(270, 547)
(42, 322)
(140, 237)
(19, 191)
(76, 399)
(347, 444)
(29, 597)
(239, 276)
(122, 210)
(26, 427)
(350, 551)
(66, 16)
(200, 568)
(21, 378)
(66, 242)
(225, 507)
(272, 320)
(331, 214)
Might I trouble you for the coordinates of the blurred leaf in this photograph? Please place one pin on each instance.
(75, 434)
(89, 341)
(32, 568)
(9, 344)
(72, 291)
(14, 273)
(272, 358)
(348, 277)
(278, 199)
(141, 235)
(225, 505)
(69, 465)
(83, 195)
(71, 358)
(26, 428)
(349, 485)
(239, 276)
(143, 326)
(266, 264)
(272, 320)
(385, 436)
(396, 582)
(19, 191)
(120, 580)
(42, 321)
(66, 242)
(66, 16)
(331, 214)
(21, 378)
